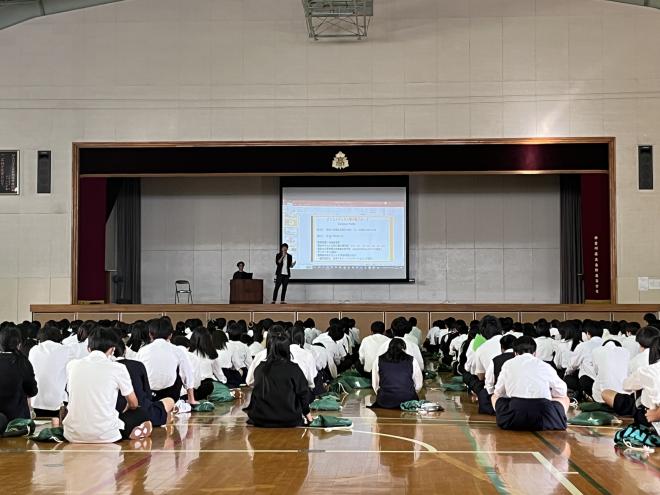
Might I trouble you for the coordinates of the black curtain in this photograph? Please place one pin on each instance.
(127, 281)
(572, 267)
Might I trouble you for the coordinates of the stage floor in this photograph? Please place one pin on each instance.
(388, 452)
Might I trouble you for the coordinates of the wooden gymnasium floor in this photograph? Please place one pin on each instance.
(388, 452)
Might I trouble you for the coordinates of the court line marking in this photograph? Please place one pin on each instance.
(425, 445)
(572, 489)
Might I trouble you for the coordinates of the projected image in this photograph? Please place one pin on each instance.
(348, 233)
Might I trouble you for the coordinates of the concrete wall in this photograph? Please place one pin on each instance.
(472, 239)
(244, 69)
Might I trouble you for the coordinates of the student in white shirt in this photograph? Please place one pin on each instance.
(582, 361)
(354, 332)
(396, 376)
(370, 346)
(571, 338)
(138, 339)
(168, 366)
(545, 344)
(93, 384)
(311, 331)
(49, 359)
(331, 340)
(554, 330)
(414, 331)
(400, 327)
(629, 339)
(435, 334)
(611, 368)
(240, 357)
(257, 341)
(206, 363)
(624, 403)
(529, 395)
(73, 333)
(492, 331)
(79, 347)
(647, 380)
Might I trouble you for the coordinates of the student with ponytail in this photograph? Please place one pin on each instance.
(396, 377)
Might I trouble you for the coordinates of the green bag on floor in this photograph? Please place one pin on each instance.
(49, 435)
(429, 374)
(454, 387)
(595, 418)
(637, 436)
(204, 406)
(594, 406)
(457, 379)
(19, 428)
(326, 404)
(330, 422)
(334, 395)
(412, 405)
(221, 393)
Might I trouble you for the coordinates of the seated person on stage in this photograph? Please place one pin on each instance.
(529, 395)
(396, 376)
(582, 362)
(168, 366)
(240, 357)
(280, 397)
(485, 394)
(610, 367)
(370, 346)
(206, 363)
(157, 411)
(93, 384)
(240, 273)
(647, 380)
(49, 359)
(17, 382)
(623, 403)
(400, 328)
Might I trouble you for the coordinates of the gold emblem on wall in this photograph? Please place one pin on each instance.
(340, 161)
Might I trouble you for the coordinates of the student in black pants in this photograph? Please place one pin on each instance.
(284, 262)
(17, 381)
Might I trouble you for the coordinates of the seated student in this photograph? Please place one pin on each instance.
(93, 384)
(554, 329)
(545, 344)
(491, 331)
(529, 395)
(168, 366)
(206, 363)
(647, 380)
(49, 360)
(157, 411)
(371, 345)
(80, 347)
(240, 357)
(436, 333)
(625, 404)
(571, 338)
(414, 331)
(354, 332)
(257, 340)
(485, 393)
(138, 339)
(629, 338)
(331, 340)
(17, 381)
(583, 363)
(280, 397)
(396, 376)
(72, 338)
(610, 367)
(400, 328)
(310, 331)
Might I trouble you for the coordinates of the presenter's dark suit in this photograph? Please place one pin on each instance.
(280, 278)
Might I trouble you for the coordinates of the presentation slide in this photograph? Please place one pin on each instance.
(346, 233)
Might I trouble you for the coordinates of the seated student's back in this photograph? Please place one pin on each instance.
(17, 381)
(396, 377)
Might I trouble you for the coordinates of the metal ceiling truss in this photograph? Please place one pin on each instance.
(338, 18)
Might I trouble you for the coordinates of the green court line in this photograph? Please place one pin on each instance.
(482, 460)
(577, 468)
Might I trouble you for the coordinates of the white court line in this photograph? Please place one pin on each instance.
(428, 447)
(572, 489)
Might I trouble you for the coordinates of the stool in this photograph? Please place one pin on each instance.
(182, 287)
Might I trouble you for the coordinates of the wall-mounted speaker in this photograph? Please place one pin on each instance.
(43, 172)
(645, 164)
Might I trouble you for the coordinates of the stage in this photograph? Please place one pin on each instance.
(363, 314)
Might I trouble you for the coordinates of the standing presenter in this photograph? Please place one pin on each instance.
(284, 262)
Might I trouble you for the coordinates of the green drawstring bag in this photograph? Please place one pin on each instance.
(454, 387)
(637, 436)
(49, 435)
(594, 418)
(594, 406)
(19, 428)
(412, 405)
(221, 393)
(326, 404)
(338, 386)
(204, 406)
(429, 374)
(457, 379)
(330, 422)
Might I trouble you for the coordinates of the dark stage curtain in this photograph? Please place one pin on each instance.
(128, 242)
(572, 267)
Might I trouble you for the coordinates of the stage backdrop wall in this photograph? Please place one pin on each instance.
(472, 239)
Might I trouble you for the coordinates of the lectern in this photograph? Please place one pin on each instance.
(246, 291)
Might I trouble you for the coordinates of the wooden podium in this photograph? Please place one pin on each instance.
(246, 291)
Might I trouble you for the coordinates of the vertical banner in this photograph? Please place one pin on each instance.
(595, 193)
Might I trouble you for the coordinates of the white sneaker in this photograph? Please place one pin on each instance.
(182, 407)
